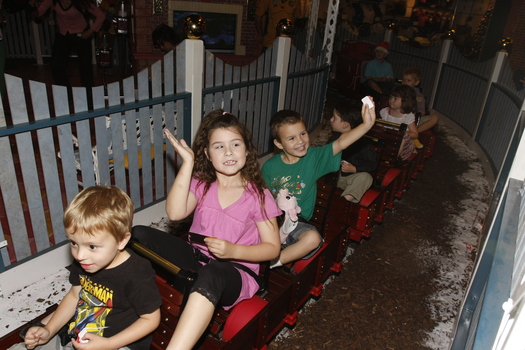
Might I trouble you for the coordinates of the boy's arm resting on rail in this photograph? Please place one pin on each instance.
(268, 249)
(349, 137)
(64, 312)
(181, 202)
(146, 324)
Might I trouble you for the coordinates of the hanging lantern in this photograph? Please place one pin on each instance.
(505, 44)
(194, 26)
(285, 27)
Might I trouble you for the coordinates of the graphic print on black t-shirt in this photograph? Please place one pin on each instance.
(94, 305)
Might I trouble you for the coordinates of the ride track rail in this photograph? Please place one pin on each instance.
(253, 323)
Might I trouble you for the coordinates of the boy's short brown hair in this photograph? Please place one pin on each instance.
(415, 72)
(100, 208)
(349, 112)
(286, 116)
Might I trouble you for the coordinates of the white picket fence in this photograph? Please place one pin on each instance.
(54, 146)
(48, 157)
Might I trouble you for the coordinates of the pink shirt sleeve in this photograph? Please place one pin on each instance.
(100, 17)
(42, 8)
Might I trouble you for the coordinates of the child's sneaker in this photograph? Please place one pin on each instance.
(417, 144)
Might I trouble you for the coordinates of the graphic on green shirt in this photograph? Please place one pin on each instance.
(300, 178)
(294, 187)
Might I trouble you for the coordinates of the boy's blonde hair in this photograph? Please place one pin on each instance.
(415, 72)
(100, 208)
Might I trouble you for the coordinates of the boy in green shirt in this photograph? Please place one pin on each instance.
(297, 168)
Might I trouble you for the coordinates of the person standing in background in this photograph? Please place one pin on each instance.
(74, 32)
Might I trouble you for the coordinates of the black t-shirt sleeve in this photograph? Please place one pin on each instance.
(143, 292)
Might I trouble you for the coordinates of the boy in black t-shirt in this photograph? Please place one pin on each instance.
(358, 159)
(113, 302)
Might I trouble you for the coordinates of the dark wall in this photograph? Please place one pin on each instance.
(515, 29)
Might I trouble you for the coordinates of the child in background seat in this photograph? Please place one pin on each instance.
(412, 77)
(378, 72)
(401, 109)
(358, 159)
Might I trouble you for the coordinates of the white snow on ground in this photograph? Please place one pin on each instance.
(455, 269)
(24, 305)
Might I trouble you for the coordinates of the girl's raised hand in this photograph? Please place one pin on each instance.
(181, 147)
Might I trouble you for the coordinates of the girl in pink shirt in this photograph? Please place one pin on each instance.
(220, 181)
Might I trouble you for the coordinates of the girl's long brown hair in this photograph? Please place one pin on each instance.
(203, 169)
